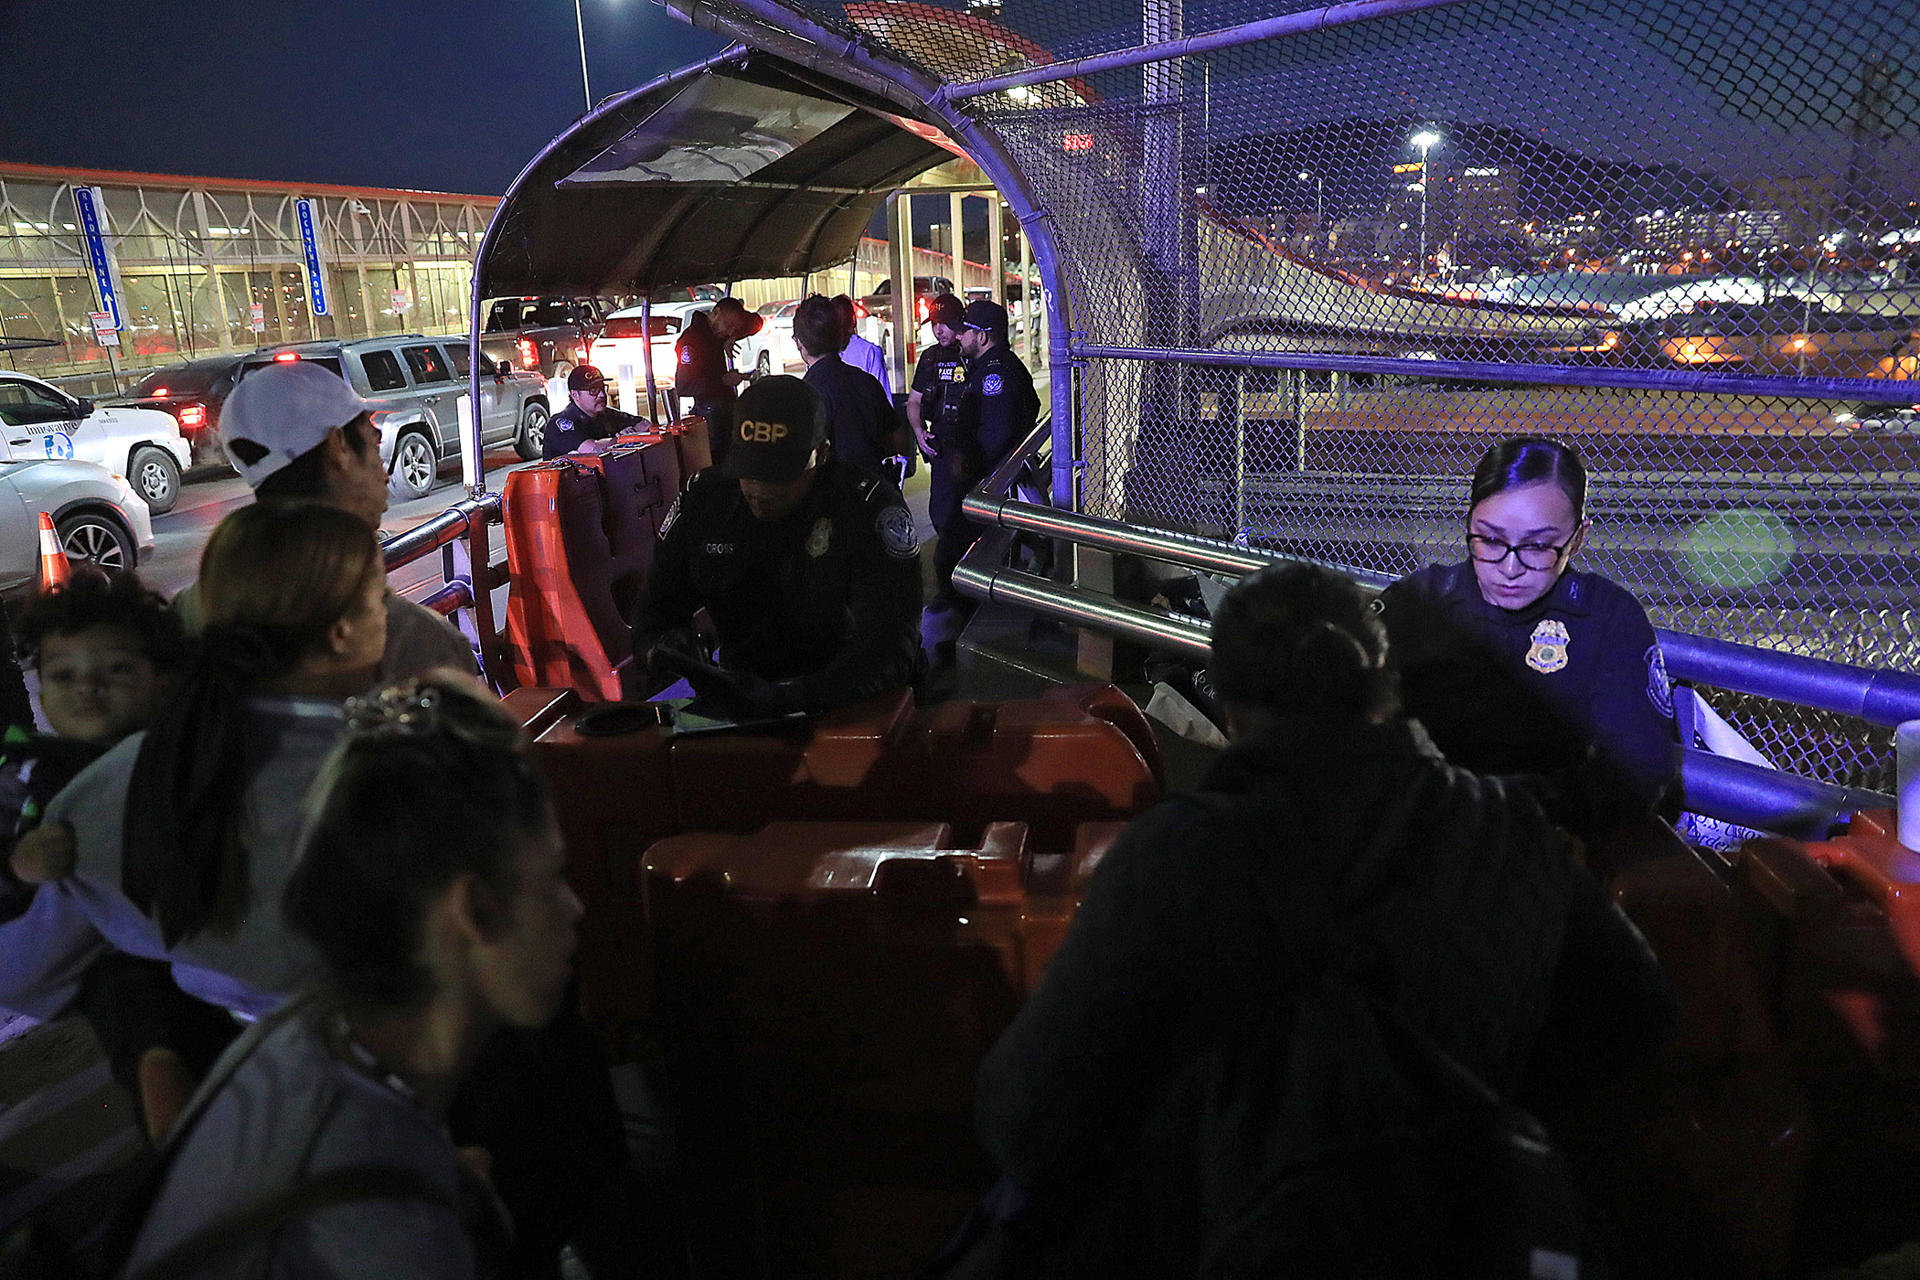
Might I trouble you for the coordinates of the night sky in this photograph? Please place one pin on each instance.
(454, 96)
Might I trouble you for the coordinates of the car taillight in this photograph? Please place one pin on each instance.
(157, 392)
(859, 311)
(286, 357)
(192, 416)
(529, 354)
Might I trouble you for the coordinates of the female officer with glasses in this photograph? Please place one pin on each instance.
(1517, 664)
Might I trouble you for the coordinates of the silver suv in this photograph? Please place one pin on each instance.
(416, 384)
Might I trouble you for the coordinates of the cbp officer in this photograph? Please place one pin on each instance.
(701, 370)
(587, 419)
(806, 565)
(933, 408)
(997, 409)
(1516, 663)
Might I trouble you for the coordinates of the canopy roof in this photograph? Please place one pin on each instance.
(744, 166)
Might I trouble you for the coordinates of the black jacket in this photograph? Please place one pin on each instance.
(861, 422)
(999, 409)
(1473, 922)
(1576, 675)
(700, 368)
(827, 597)
(569, 428)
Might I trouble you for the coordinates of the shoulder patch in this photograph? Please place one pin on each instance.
(673, 513)
(992, 385)
(894, 524)
(1659, 687)
(686, 355)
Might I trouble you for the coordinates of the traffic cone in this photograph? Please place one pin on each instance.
(54, 569)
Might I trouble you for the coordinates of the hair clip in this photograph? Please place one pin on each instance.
(397, 711)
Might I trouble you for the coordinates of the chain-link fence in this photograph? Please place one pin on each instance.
(1311, 278)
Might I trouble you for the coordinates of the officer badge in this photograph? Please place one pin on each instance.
(821, 538)
(1548, 652)
(991, 385)
(895, 527)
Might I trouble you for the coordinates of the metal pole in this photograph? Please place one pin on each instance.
(1334, 15)
(646, 355)
(580, 27)
(900, 251)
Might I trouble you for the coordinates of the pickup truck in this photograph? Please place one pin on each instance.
(548, 335)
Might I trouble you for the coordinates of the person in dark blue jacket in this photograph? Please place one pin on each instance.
(1518, 664)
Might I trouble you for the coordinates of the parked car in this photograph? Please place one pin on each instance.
(619, 345)
(772, 349)
(96, 513)
(39, 420)
(550, 335)
(1880, 417)
(192, 392)
(416, 383)
(879, 303)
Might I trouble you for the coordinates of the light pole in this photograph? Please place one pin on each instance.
(1426, 140)
(580, 29)
(1319, 199)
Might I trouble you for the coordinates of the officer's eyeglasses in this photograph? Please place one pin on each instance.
(1533, 555)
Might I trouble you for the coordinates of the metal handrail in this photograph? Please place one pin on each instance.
(1731, 790)
(1884, 698)
(450, 525)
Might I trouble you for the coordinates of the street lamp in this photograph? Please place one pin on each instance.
(580, 29)
(1319, 198)
(1426, 140)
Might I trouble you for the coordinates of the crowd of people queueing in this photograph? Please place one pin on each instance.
(294, 865)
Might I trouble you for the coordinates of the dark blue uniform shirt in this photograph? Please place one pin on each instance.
(1001, 406)
(827, 597)
(568, 429)
(1534, 690)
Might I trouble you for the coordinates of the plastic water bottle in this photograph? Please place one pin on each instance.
(1906, 758)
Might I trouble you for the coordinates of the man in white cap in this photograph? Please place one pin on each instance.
(297, 432)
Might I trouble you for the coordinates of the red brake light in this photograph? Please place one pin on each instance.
(529, 354)
(859, 311)
(193, 415)
(157, 391)
(286, 357)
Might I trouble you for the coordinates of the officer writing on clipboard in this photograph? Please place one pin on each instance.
(807, 567)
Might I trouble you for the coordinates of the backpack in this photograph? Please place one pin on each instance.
(32, 1252)
(1386, 1157)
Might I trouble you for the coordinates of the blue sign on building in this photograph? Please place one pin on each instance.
(86, 203)
(310, 248)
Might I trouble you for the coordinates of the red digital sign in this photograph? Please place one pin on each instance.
(1076, 142)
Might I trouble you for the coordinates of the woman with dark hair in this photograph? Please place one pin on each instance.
(183, 835)
(1137, 1099)
(430, 936)
(1518, 664)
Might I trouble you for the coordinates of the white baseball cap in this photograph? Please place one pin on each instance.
(282, 410)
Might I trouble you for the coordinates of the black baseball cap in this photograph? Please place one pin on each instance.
(777, 424)
(946, 309)
(586, 378)
(986, 316)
